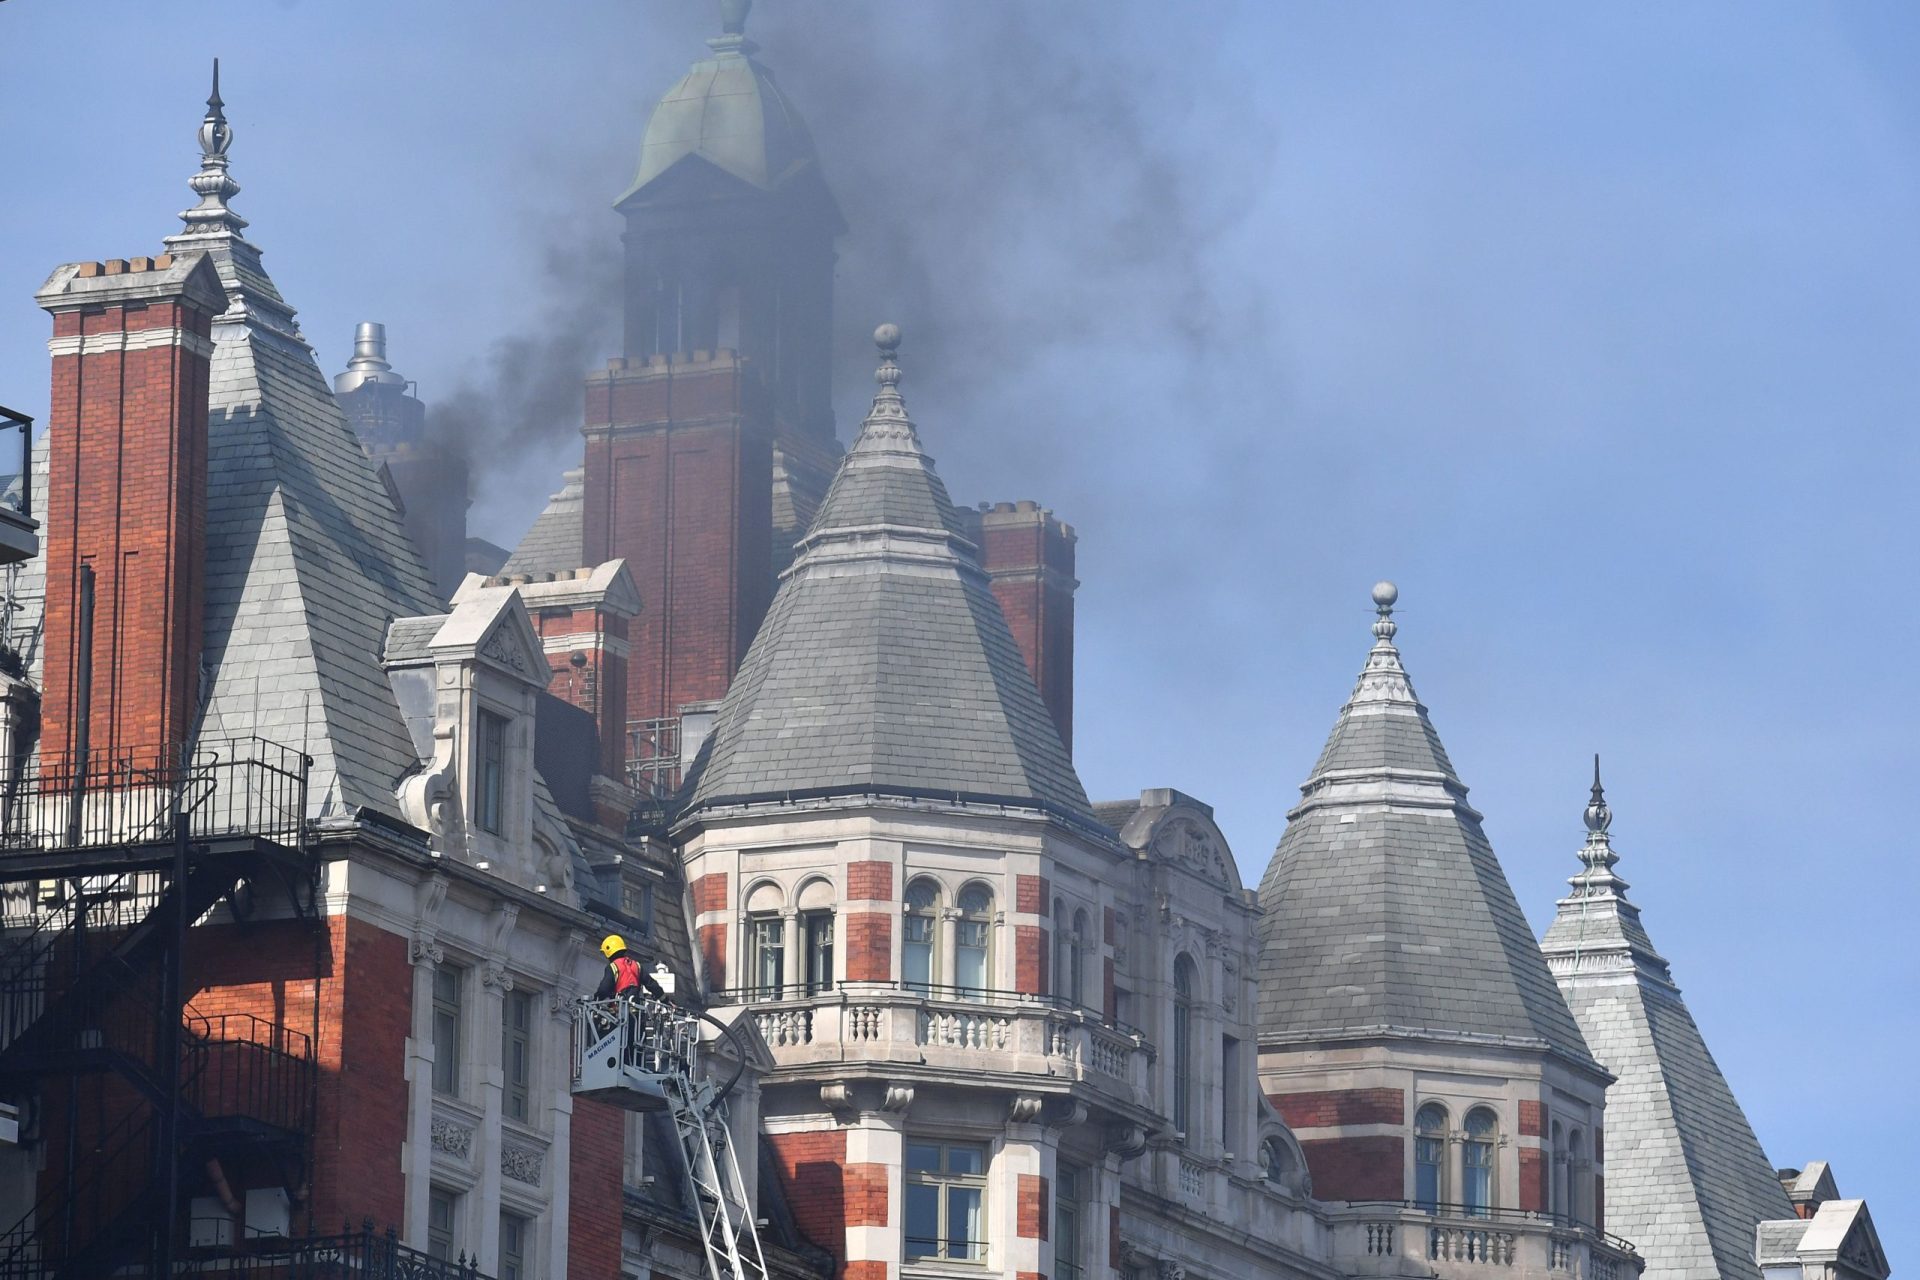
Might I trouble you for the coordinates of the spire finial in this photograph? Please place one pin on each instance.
(733, 29)
(213, 184)
(1385, 594)
(1598, 816)
(887, 420)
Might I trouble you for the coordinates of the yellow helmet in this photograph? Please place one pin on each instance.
(612, 945)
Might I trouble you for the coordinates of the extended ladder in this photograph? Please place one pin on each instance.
(643, 1055)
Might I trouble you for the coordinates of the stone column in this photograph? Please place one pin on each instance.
(1020, 1193)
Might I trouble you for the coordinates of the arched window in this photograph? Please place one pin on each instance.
(766, 941)
(1078, 989)
(1476, 1161)
(1430, 1156)
(972, 941)
(921, 913)
(1183, 989)
(816, 936)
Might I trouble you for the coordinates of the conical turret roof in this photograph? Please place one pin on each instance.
(884, 664)
(1386, 912)
(1687, 1181)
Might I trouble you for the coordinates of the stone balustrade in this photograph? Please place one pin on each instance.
(952, 1030)
(1391, 1239)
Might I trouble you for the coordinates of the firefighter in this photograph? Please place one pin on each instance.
(625, 977)
(625, 980)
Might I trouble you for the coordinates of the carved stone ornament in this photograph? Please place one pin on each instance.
(454, 1139)
(494, 974)
(899, 1098)
(837, 1097)
(1168, 1269)
(1126, 1140)
(501, 649)
(523, 1164)
(1025, 1108)
(422, 949)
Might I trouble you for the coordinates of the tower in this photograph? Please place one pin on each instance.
(1410, 1032)
(1687, 1180)
(710, 439)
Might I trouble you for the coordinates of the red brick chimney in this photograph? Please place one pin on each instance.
(679, 484)
(1029, 557)
(127, 494)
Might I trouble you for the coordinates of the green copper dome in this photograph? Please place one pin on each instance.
(728, 111)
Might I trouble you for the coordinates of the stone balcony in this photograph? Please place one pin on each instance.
(1399, 1239)
(945, 1031)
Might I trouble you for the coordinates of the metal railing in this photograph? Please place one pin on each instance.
(16, 464)
(364, 1254)
(132, 795)
(653, 757)
(251, 1069)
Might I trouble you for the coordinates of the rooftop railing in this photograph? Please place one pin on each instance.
(133, 795)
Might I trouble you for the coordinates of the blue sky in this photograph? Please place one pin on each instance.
(1593, 328)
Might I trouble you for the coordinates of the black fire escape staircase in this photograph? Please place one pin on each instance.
(142, 1103)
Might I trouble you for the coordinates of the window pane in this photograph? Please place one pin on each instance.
(923, 1220)
(964, 1160)
(923, 1157)
(918, 959)
(963, 1223)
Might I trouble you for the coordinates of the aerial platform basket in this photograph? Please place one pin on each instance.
(627, 1053)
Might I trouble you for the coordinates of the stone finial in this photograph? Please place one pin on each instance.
(213, 184)
(888, 419)
(1385, 594)
(1598, 816)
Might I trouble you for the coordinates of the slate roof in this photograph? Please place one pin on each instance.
(306, 558)
(1687, 1181)
(1386, 912)
(884, 663)
(307, 561)
(554, 541)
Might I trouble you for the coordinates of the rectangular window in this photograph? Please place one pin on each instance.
(514, 1246)
(516, 1052)
(817, 928)
(946, 1186)
(917, 951)
(1476, 1176)
(970, 955)
(441, 1208)
(1069, 1186)
(1428, 1153)
(636, 903)
(446, 1030)
(768, 937)
(490, 781)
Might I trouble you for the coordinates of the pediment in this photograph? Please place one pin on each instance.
(1844, 1230)
(1192, 842)
(491, 626)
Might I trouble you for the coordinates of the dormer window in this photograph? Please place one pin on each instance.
(490, 774)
